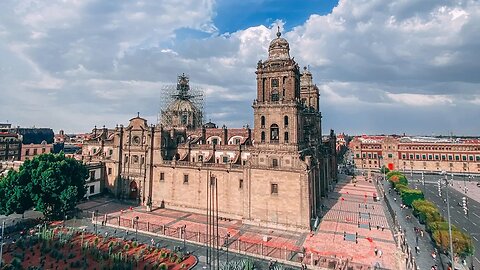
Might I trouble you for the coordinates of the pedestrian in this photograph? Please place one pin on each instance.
(395, 199)
(416, 239)
(434, 256)
(380, 252)
(376, 251)
(378, 227)
(383, 228)
(421, 233)
(417, 249)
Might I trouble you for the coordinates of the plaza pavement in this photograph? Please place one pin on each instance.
(350, 208)
(352, 211)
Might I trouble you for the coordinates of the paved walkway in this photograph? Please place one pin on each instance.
(354, 226)
(424, 258)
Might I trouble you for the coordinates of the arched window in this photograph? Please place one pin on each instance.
(263, 137)
(285, 121)
(274, 133)
(263, 89)
(262, 121)
(286, 137)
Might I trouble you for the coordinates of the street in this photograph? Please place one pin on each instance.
(469, 223)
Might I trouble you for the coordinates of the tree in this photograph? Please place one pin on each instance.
(52, 183)
(14, 193)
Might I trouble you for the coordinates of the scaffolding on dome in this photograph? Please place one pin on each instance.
(181, 91)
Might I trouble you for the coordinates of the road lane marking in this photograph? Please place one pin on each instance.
(474, 223)
(474, 237)
(476, 215)
(477, 260)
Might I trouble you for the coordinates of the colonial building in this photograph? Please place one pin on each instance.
(10, 146)
(274, 174)
(417, 154)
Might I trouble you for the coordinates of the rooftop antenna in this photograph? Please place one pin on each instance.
(278, 31)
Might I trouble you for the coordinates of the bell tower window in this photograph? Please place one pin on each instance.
(274, 82)
(274, 133)
(262, 121)
(286, 137)
(285, 121)
(263, 89)
(263, 137)
(275, 95)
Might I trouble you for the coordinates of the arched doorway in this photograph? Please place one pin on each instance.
(133, 191)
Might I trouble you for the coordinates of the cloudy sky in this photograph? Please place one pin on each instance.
(397, 66)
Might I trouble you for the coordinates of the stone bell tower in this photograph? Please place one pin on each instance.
(278, 106)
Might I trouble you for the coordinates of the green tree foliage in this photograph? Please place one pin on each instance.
(397, 178)
(51, 183)
(384, 169)
(426, 211)
(410, 195)
(462, 243)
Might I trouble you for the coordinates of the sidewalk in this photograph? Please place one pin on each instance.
(424, 258)
(354, 226)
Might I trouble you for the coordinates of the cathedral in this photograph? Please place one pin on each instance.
(274, 175)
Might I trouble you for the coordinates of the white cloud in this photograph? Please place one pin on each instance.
(100, 61)
(420, 100)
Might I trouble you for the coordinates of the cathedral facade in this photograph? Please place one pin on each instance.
(272, 175)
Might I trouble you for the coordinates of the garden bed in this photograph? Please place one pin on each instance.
(64, 248)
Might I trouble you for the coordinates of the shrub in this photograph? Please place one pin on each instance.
(426, 212)
(162, 266)
(462, 243)
(410, 195)
(126, 247)
(440, 226)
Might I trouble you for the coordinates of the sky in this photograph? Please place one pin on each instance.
(382, 67)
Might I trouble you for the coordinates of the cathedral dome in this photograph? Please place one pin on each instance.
(182, 105)
(279, 48)
(182, 111)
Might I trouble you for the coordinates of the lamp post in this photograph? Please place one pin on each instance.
(184, 232)
(83, 232)
(226, 246)
(95, 220)
(449, 223)
(136, 227)
(1, 244)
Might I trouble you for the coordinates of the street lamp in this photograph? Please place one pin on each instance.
(226, 245)
(449, 222)
(95, 220)
(83, 232)
(183, 230)
(1, 247)
(136, 227)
